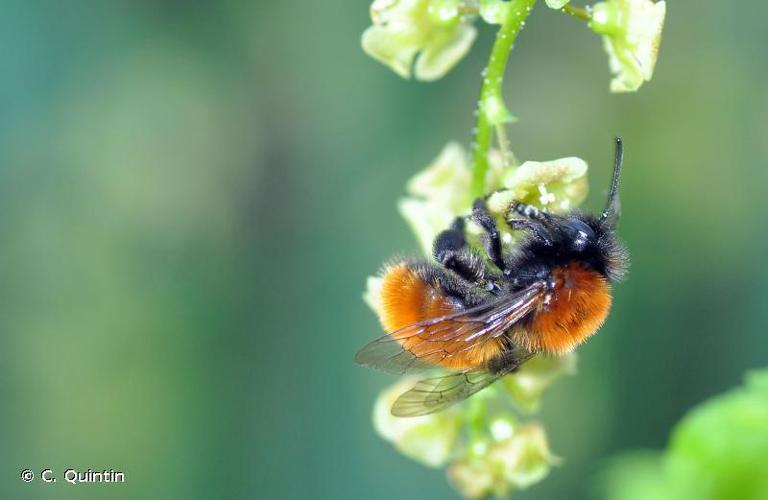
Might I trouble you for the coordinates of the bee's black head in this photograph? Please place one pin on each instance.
(576, 237)
(555, 240)
(577, 234)
(594, 239)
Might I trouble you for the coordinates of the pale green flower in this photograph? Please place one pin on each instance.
(518, 460)
(525, 458)
(555, 186)
(471, 477)
(631, 32)
(433, 33)
(527, 385)
(428, 439)
(438, 195)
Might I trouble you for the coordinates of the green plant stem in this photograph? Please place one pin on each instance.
(579, 12)
(493, 77)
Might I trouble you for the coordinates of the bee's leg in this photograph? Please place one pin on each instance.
(535, 220)
(484, 219)
(452, 252)
(537, 229)
(528, 211)
(457, 286)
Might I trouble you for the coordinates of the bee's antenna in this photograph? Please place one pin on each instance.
(613, 207)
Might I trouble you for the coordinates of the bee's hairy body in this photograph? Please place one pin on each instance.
(482, 316)
(573, 308)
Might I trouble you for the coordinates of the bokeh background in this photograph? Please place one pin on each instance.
(192, 194)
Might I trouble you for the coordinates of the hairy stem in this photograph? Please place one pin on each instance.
(491, 109)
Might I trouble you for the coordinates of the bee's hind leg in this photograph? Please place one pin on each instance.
(450, 249)
(484, 219)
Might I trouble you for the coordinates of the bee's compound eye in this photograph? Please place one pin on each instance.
(579, 233)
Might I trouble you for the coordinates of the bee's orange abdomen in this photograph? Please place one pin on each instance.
(405, 300)
(581, 301)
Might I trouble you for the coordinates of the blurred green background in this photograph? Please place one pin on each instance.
(192, 194)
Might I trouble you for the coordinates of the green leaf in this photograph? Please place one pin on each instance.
(718, 451)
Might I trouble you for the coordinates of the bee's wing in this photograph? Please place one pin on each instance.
(436, 394)
(423, 345)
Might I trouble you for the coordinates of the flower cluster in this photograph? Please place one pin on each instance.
(427, 38)
(515, 458)
(438, 194)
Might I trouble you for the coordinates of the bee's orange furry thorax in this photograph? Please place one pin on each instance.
(581, 302)
(406, 299)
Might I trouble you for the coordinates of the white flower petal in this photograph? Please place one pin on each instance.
(387, 48)
(533, 173)
(381, 10)
(439, 195)
(632, 34)
(440, 56)
(444, 12)
(644, 34)
(446, 174)
(426, 220)
(431, 28)
(556, 185)
(372, 294)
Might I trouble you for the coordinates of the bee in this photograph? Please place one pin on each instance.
(481, 317)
